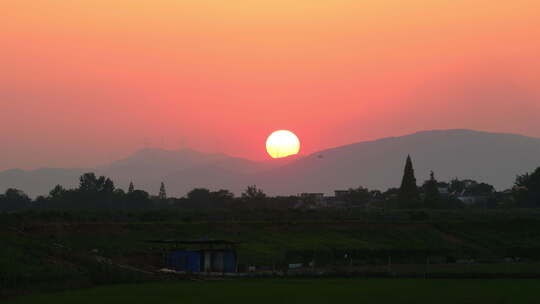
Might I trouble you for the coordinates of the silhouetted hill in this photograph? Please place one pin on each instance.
(180, 170)
(489, 157)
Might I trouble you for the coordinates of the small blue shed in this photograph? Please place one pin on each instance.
(185, 260)
(202, 256)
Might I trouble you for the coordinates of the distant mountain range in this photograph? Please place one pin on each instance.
(489, 157)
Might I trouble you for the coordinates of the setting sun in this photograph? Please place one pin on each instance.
(282, 143)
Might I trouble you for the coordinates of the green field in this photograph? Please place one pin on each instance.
(44, 252)
(303, 291)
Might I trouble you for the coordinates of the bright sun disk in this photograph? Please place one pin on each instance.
(282, 143)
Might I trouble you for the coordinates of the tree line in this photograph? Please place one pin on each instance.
(95, 192)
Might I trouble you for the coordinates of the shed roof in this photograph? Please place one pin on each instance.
(194, 242)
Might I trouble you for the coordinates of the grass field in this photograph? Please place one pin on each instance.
(313, 291)
(42, 254)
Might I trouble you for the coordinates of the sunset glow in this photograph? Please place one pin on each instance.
(217, 75)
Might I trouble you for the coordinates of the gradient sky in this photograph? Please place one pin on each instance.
(89, 81)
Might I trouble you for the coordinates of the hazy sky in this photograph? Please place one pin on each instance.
(89, 81)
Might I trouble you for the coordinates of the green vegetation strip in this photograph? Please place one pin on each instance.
(313, 291)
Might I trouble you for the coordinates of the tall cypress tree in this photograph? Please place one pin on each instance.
(408, 192)
(131, 188)
(162, 193)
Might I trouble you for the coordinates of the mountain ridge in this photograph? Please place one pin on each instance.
(495, 158)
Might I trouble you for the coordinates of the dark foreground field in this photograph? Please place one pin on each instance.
(304, 291)
(43, 252)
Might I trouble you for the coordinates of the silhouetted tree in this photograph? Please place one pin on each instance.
(470, 186)
(254, 197)
(408, 192)
(162, 193)
(204, 198)
(431, 191)
(57, 193)
(130, 188)
(199, 195)
(527, 189)
(199, 198)
(89, 183)
(477, 188)
(457, 186)
(138, 199)
(14, 199)
(253, 193)
(119, 198)
(58, 197)
(95, 192)
(222, 198)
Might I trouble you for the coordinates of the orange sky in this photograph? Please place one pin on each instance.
(89, 81)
